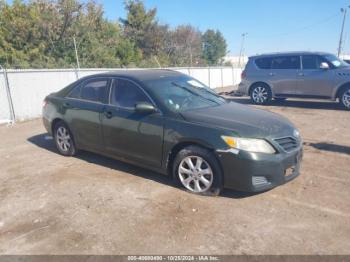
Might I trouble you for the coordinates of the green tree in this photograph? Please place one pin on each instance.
(214, 46)
(186, 46)
(138, 22)
(39, 34)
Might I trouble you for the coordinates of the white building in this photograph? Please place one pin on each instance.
(236, 60)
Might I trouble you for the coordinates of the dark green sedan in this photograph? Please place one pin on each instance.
(173, 124)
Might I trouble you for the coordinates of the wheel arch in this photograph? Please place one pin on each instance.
(54, 122)
(181, 145)
(340, 89)
(178, 147)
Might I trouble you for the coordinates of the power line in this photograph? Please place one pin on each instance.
(323, 21)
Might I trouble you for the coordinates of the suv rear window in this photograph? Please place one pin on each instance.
(263, 63)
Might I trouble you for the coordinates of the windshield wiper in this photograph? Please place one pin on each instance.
(194, 93)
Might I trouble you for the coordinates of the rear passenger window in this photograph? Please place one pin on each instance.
(94, 90)
(263, 63)
(286, 62)
(75, 93)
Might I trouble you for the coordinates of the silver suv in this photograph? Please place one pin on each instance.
(298, 74)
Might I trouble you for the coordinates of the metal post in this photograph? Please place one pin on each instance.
(155, 58)
(9, 98)
(241, 51)
(233, 76)
(76, 53)
(209, 76)
(222, 77)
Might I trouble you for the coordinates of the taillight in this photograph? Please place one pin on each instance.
(243, 75)
(44, 103)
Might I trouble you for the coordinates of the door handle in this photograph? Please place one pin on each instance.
(271, 74)
(66, 105)
(300, 74)
(108, 114)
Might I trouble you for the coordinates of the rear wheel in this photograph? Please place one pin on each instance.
(260, 94)
(64, 139)
(197, 170)
(344, 98)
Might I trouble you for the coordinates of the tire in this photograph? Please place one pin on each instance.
(204, 177)
(280, 99)
(64, 139)
(344, 98)
(260, 94)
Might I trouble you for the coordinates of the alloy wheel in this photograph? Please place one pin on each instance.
(260, 94)
(63, 139)
(346, 99)
(195, 174)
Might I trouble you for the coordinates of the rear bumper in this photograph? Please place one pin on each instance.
(256, 172)
(242, 88)
(46, 123)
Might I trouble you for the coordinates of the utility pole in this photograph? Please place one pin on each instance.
(340, 47)
(76, 53)
(241, 51)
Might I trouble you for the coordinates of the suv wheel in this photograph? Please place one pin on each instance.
(344, 98)
(260, 94)
(64, 139)
(197, 170)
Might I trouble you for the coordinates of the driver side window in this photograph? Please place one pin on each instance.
(126, 94)
(312, 62)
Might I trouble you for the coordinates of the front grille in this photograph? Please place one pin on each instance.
(287, 143)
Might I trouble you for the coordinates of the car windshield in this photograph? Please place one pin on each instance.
(183, 93)
(336, 62)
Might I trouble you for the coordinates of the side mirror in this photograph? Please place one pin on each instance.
(145, 108)
(324, 65)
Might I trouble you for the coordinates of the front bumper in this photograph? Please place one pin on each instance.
(256, 172)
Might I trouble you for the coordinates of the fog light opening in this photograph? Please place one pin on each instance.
(260, 181)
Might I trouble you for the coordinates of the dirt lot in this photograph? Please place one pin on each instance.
(50, 204)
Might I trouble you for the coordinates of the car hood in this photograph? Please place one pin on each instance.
(244, 120)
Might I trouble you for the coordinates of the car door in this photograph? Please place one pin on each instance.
(130, 134)
(314, 81)
(83, 107)
(283, 74)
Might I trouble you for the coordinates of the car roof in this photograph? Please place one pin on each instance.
(290, 53)
(140, 74)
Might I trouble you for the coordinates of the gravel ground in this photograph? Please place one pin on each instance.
(50, 204)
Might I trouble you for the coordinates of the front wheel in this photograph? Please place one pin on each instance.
(197, 170)
(260, 94)
(344, 98)
(64, 139)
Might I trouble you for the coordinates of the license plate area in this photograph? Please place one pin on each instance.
(290, 171)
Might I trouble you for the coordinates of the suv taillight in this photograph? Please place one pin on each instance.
(44, 103)
(243, 74)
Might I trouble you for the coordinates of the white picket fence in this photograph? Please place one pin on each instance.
(22, 91)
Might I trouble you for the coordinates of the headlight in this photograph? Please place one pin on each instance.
(249, 144)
